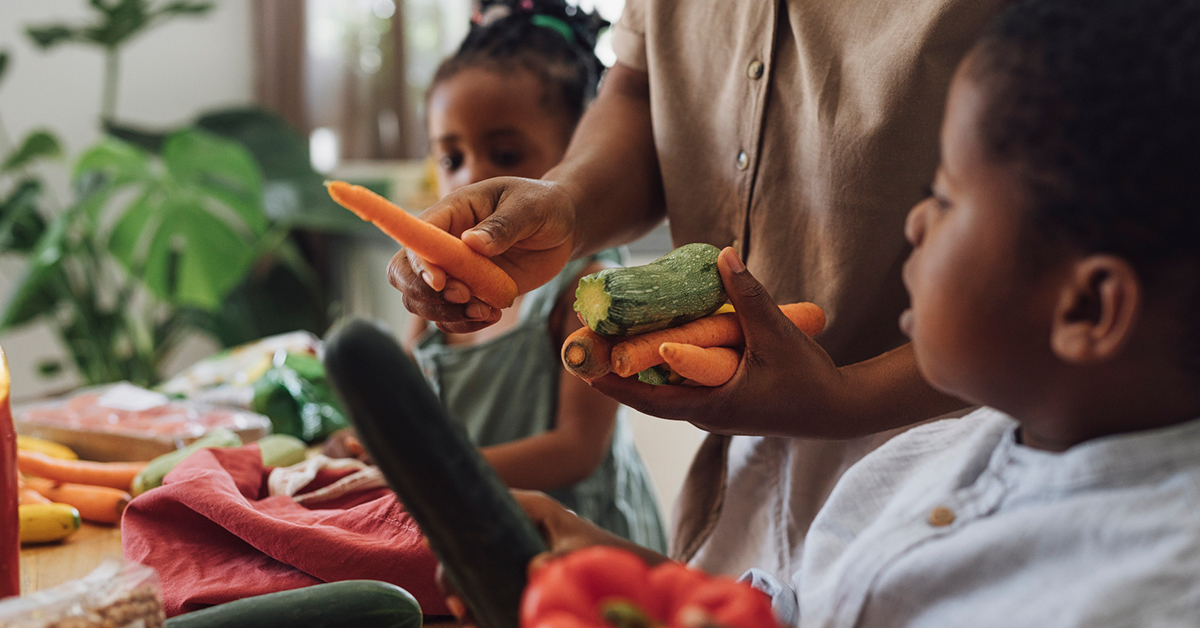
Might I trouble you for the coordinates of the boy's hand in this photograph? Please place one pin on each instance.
(783, 376)
(525, 226)
(563, 532)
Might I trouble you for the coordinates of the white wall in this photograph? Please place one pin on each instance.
(167, 77)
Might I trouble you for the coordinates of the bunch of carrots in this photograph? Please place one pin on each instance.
(98, 490)
(704, 352)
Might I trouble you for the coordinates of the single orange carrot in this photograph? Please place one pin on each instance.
(639, 353)
(707, 366)
(586, 354)
(112, 474)
(98, 504)
(485, 279)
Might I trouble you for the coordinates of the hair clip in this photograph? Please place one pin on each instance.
(492, 14)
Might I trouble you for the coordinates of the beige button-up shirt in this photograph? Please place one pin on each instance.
(801, 132)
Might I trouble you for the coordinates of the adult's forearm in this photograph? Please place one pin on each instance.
(611, 168)
(887, 392)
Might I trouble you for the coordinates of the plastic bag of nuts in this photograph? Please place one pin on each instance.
(114, 595)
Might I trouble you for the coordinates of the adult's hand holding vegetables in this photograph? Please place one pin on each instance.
(786, 385)
(605, 192)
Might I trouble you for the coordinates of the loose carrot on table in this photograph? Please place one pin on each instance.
(707, 366)
(112, 474)
(98, 504)
(26, 495)
(586, 354)
(638, 353)
(485, 279)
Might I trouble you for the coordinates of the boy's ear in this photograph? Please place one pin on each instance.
(1096, 311)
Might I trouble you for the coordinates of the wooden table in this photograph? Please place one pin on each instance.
(51, 564)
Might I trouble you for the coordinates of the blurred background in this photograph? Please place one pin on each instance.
(160, 189)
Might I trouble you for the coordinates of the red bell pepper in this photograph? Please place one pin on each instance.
(607, 587)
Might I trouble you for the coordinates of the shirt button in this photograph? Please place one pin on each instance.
(755, 69)
(941, 517)
(743, 160)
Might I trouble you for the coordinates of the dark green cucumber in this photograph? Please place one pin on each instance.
(347, 603)
(681, 286)
(472, 523)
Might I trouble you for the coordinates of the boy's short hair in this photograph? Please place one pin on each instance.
(1097, 103)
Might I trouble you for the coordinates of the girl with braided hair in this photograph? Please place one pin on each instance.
(506, 104)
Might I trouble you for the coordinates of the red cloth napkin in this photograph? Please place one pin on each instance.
(214, 535)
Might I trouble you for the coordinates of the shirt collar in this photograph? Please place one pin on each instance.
(1106, 461)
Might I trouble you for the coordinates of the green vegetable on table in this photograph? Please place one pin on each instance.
(151, 476)
(294, 394)
(330, 605)
(278, 450)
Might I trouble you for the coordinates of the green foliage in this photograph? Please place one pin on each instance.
(37, 145)
(116, 23)
(167, 231)
(190, 234)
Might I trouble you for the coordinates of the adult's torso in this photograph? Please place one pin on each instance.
(800, 132)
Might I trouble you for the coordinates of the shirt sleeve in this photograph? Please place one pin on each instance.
(783, 598)
(629, 35)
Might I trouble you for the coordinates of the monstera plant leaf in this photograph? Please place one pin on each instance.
(37, 293)
(36, 145)
(21, 224)
(188, 223)
(117, 21)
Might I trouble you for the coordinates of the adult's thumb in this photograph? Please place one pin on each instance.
(757, 312)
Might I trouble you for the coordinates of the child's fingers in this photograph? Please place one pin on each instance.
(430, 273)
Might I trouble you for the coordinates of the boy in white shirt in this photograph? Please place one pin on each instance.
(1054, 280)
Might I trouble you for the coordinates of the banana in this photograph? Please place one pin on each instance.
(52, 449)
(42, 523)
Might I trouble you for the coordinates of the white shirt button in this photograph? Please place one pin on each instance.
(755, 69)
(743, 160)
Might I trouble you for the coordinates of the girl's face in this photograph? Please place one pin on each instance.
(979, 320)
(485, 124)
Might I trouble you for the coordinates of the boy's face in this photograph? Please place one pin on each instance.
(979, 321)
(485, 124)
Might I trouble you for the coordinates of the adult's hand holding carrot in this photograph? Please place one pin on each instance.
(526, 227)
(485, 279)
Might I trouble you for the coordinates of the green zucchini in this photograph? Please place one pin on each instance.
(681, 286)
(281, 450)
(151, 476)
(660, 375)
(472, 523)
(366, 603)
